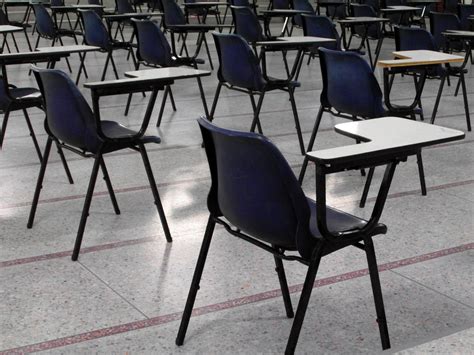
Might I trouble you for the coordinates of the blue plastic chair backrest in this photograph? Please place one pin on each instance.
(99, 10)
(240, 3)
(254, 188)
(173, 13)
(4, 99)
(374, 31)
(451, 6)
(439, 23)
(44, 22)
(281, 4)
(57, 2)
(95, 32)
(412, 39)
(153, 48)
(3, 18)
(303, 5)
(374, 4)
(238, 65)
(465, 11)
(124, 6)
(349, 85)
(321, 26)
(69, 118)
(246, 24)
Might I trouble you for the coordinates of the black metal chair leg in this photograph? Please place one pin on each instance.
(109, 55)
(14, 42)
(6, 115)
(297, 120)
(458, 85)
(377, 292)
(154, 190)
(39, 183)
(415, 79)
(214, 102)
(254, 108)
(67, 60)
(365, 193)
(32, 134)
(303, 302)
(284, 287)
(438, 98)
(466, 105)
(109, 186)
(162, 107)
(85, 209)
(127, 107)
(421, 173)
(64, 162)
(170, 92)
(256, 114)
(311, 143)
(195, 282)
(113, 66)
(207, 50)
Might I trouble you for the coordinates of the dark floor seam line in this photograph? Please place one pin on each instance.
(432, 289)
(225, 305)
(113, 290)
(114, 245)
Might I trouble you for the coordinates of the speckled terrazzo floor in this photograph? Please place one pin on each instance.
(126, 292)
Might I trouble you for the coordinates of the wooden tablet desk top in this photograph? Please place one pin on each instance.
(384, 137)
(10, 29)
(295, 41)
(419, 57)
(173, 73)
(362, 20)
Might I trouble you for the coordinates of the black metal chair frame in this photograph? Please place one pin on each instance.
(283, 84)
(132, 142)
(331, 240)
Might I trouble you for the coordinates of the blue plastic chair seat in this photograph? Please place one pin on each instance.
(337, 221)
(24, 97)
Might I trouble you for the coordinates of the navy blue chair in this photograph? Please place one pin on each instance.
(451, 6)
(72, 124)
(255, 196)
(15, 99)
(319, 26)
(351, 91)
(303, 5)
(175, 22)
(239, 70)
(417, 39)
(154, 51)
(441, 22)
(47, 29)
(96, 34)
(247, 25)
(465, 11)
(367, 33)
(4, 21)
(124, 7)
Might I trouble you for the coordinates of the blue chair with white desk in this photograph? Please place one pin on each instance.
(96, 34)
(351, 91)
(319, 26)
(153, 50)
(239, 70)
(255, 196)
(407, 39)
(72, 125)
